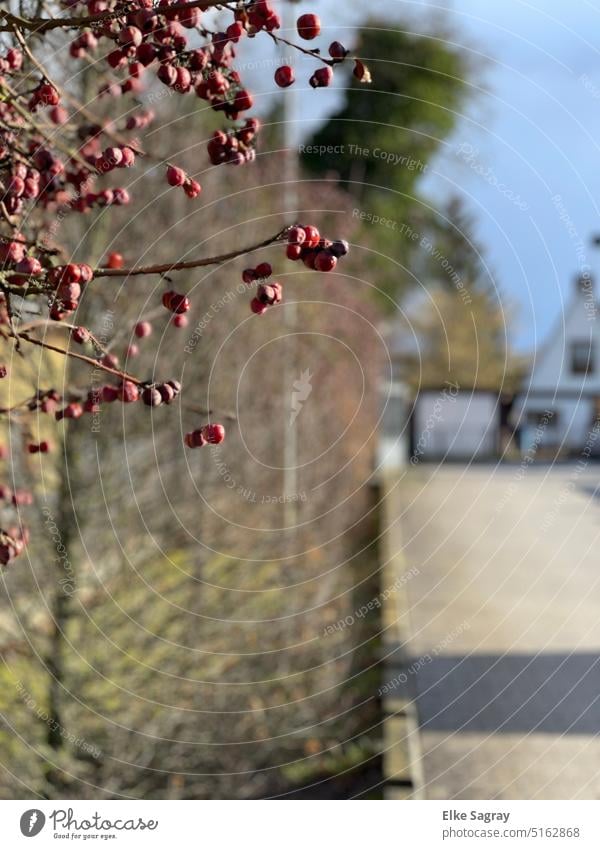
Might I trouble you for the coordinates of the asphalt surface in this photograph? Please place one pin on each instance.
(503, 658)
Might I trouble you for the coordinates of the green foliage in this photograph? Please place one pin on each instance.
(380, 144)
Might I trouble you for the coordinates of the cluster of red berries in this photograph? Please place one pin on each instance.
(13, 61)
(306, 243)
(20, 184)
(309, 27)
(151, 34)
(178, 177)
(45, 174)
(267, 294)
(210, 434)
(234, 147)
(114, 157)
(126, 391)
(161, 393)
(12, 543)
(42, 447)
(261, 272)
(67, 282)
(257, 16)
(21, 498)
(43, 95)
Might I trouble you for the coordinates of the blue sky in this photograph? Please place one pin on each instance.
(533, 131)
(537, 127)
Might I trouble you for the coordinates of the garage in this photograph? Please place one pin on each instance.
(453, 424)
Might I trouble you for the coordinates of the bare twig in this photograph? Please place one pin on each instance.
(25, 337)
(193, 263)
(41, 25)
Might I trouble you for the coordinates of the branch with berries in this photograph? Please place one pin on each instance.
(58, 159)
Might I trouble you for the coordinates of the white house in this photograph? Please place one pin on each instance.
(558, 408)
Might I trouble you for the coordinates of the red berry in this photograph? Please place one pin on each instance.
(86, 273)
(312, 236)
(110, 360)
(179, 303)
(130, 36)
(146, 53)
(81, 335)
(243, 101)
(309, 26)
(321, 77)
(128, 392)
(71, 273)
(294, 252)
(48, 95)
(269, 294)
(167, 75)
(263, 270)
(339, 248)
(308, 257)
(195, 439)
(143, 329)
(249, 275)
(109, 394)
(175, 176)
(235, 31)
(167, 393)
(296, 235)
(58, 115)
(127, 159)
(180, 321)
(213, 433)
(116, 59)
(183, 80)
(151, 397)
(131, 350)
(29, 265)
(284, 76)
(337, 51)
(192, 188)
(325, 261)
(257, 307)
(115, 260)
(71, 411)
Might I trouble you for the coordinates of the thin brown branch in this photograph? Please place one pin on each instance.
(203, 411)
(25, 337)
(58, 325)
(314, 54)
(42, 25)
(193, 263)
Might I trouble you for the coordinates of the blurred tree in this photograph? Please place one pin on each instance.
(461, 320)
(380, 144)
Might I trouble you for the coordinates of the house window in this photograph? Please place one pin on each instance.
(541, 418)
(582, 358)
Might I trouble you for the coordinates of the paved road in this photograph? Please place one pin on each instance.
(504, 652)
